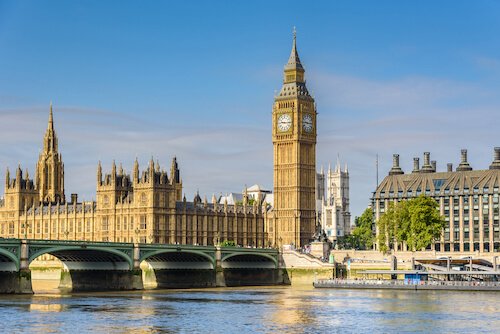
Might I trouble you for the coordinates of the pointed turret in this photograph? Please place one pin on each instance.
(197, 198)
(157, 166)
(50, 168)
(50, 141)
(7, 178)
(19, 173)
(174, 171)
(113, 172)
(50, 126)
(294, 60)
(136, 171)
(151, 171)
(99, 173)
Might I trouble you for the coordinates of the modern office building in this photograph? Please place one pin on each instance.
(468, 199)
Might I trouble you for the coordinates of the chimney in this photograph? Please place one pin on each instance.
(74, 198)
(449, 167)
(416, 165)
(496, 159)
(395, 170)
(433, 164)
(464, 165)
(427, 167)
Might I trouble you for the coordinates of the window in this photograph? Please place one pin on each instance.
(143, 222)
(104, 224)
(124, 223)
(438, 183)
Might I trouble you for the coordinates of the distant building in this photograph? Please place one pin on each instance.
(332, 201)
(468, 199)
(255, 193)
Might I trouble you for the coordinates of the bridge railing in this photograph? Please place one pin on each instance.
(350, 282)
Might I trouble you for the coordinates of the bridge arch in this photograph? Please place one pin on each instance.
(8, 257)
(178, 268)
(261, 260)
(188, 257)
(82, 254)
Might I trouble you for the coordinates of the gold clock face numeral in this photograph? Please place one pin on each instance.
(307, 123)
(284, 122)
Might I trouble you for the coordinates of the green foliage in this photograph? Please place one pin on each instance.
(228, 243)
(361, 236)
(416, 222)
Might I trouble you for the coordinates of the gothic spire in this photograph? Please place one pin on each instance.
(50, 125)
(50, 140)
(294, 60)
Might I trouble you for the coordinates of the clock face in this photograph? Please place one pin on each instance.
(284, 122)
(307, 123)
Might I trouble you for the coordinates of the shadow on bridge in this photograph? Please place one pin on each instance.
(92, 268)
(249, 269)
(178, 269)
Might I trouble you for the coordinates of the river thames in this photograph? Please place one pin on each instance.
(298, 309)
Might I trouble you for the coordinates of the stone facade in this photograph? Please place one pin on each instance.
(294, 143)
(333, 201)
(468, 199)
(143, 207)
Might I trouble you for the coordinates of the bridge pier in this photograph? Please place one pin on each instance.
(220, 279)
(18, 281)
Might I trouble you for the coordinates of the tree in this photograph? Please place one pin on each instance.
(362, 234)
(416, 222)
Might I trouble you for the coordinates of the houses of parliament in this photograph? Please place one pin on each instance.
(147, 205)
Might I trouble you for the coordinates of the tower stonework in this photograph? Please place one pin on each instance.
(50, 168)
(294, 146)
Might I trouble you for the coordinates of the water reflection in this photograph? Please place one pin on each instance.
(243, 310)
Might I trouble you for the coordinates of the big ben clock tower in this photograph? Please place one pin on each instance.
(294, 143)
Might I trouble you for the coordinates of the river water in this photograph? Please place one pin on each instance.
(298, 309)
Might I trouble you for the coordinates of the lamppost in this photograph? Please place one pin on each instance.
(66, 233)
(136, 235)
(25, 227)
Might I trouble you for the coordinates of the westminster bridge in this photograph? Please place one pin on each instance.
(95, 266)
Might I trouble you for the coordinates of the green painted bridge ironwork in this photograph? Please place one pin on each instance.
(117, 266)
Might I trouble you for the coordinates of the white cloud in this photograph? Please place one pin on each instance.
(358, 119)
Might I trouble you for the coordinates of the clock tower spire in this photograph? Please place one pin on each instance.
(294, 145)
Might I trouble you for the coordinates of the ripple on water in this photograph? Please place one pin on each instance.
(248, 310)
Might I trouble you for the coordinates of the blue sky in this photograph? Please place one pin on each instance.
(197, 79)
